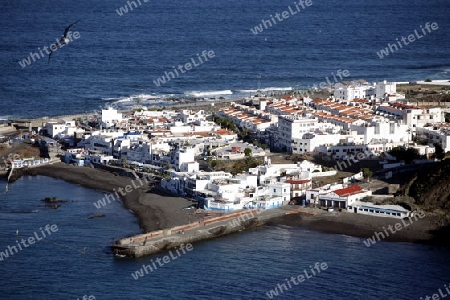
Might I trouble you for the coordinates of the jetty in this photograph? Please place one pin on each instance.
(204, 229)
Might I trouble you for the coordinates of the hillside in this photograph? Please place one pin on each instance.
(430, 188)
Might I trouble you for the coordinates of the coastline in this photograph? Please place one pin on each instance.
(422, 231)
(157, 210)
(154, 211)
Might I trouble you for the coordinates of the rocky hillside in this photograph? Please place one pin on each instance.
(431, 186)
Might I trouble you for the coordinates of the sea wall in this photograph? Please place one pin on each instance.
(157, 241)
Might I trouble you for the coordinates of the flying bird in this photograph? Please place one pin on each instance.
(63, 40)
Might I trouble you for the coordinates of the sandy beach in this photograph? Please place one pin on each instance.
(156, 210)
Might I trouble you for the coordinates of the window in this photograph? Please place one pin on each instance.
(285, 190)
(274, 190)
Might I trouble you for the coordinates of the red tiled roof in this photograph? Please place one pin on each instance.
(352, 190)
(302, 181)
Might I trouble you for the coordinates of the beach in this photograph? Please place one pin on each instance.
(156, 210)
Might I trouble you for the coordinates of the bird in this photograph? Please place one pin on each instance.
(63, 40)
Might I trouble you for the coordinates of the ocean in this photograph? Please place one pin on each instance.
(116, 59)
(75, 261)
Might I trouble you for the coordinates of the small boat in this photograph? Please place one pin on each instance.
(330, 209)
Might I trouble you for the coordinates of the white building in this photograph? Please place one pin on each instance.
(343, 198)
(189, 116)
(352, 92)
(62, 127)
(292, 127)
(420, 117)
(389, 132)
(370, 209)
(110, 117)
(181, 156)
(385, 88)
(362, 90)
(437, 133)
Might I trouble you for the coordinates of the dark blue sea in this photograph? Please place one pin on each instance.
(75, 261)
(115, 61)
(117, 58)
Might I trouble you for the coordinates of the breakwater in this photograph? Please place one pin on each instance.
(208, 228)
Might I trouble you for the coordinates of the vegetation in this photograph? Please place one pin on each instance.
(439, 152)
(407, 155)
(367, 199)
(367, 174)
(227, 123)
(235, 166)
(248, 152)
(124, 162)
(243, 165)
(430, 186)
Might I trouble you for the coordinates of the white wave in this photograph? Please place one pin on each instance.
(248, 91)
(126, 99)
(210, 93)
(132, 98)
(269, 89)
(145, 96)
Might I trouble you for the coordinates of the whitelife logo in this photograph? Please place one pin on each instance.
(398, 226)
(31, 240)
(187, 67)
(411, 38)
(280, 17)
(281, 287)
(161, 262)
(437, 296)
(53, 47)
(108, 198)
(124, 9)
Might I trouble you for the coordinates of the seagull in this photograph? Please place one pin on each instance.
(64, 40)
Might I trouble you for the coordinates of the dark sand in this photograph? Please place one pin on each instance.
(156, 210)
(414, 230)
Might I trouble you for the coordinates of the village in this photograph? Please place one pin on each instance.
(358, 121)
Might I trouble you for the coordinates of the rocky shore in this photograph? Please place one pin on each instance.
(157, 210)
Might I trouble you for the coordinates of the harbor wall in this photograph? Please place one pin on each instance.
(157, 241)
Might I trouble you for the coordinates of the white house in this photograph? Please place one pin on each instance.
(385, 88)
(344, 197)
(110, 117)
(437, 133)
(62, 127)
(292, 127)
